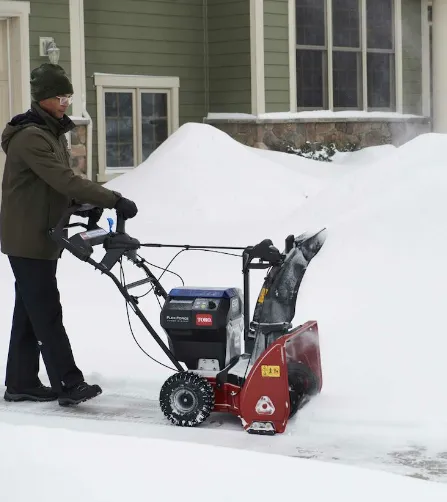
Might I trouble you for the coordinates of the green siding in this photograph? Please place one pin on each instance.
(50, 18)
(229, 74)
(276, 48)
(159, 37)
(412, 56)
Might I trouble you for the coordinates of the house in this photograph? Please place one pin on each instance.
(267, 72)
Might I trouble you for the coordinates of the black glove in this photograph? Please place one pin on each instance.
(93, 215)
(127, 208)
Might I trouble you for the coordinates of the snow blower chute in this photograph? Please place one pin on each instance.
(279, 369)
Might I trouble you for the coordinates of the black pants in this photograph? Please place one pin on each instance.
(37, 327)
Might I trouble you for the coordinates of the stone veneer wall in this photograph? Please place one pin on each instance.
(273, 133)
(78, 147)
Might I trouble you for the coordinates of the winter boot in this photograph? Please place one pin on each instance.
(39, 393)
(78, 393)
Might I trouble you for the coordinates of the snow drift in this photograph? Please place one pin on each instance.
(377, 287)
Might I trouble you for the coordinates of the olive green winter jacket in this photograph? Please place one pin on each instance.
(39, 185)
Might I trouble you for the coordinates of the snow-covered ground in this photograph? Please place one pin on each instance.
(377, 288)
(116, 468)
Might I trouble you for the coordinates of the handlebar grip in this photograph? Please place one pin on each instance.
(120, 223)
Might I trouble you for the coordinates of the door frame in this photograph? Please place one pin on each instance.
(18, 14)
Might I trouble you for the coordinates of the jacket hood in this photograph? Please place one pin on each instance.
(35, 116)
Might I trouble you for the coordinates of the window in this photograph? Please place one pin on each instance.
(345, 54)
(135, 115)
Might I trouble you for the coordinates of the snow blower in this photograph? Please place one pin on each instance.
(263, 370)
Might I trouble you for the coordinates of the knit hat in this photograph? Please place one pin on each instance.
(49, 80)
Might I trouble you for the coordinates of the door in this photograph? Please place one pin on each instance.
(4, 84)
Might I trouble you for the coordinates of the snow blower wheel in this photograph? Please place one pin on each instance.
(186, 399)
(303, 384)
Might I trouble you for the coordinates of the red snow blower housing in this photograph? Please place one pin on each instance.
(279, 369)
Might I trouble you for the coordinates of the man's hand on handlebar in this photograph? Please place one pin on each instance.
(93, 214)
(126, 208)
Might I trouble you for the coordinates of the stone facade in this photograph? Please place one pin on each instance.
(78, 148)
(275, 134)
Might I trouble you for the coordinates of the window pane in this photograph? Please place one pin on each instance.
(119, 129)
(347, 75)
(310, 25)
(379, 21)
(379, 80)
(154, 116)
(346, 23)
(111, 102)
(310, 78)
(154, 104)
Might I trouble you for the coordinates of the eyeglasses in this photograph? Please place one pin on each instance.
(65, 100)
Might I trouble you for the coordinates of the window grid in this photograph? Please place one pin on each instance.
(120, 128)
(372, 89)
(139, 148)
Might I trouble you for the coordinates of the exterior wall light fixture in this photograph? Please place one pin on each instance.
(48, 47)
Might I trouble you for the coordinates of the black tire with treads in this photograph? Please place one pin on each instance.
(186, 399)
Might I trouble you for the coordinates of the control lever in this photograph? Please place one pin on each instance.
(265, 251)
(118, 243)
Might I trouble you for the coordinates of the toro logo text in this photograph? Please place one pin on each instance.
(204, 320)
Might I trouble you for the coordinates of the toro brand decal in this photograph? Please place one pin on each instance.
(204, 320)
(270, 371)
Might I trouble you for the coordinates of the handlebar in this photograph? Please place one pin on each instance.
(92, 220)
(116, 243)
(120, 224)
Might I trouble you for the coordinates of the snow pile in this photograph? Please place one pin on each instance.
(380, 262)
(202, 177)
(377, 287)
(364, 156)
(119, 468)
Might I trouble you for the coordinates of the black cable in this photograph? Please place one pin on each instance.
(170, 263)
(208, 251)
(193, 249)
(161, 268)
(164, 270)
(188, 246)
(123, 282)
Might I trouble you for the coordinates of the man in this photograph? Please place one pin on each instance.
(38, 186)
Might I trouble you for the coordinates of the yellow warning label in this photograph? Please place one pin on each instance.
(270, 371)
(262, 294)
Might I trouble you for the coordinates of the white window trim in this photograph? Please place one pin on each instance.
(77, 56)
(19, 30)
(135, 84)
(426, 69)
(257, 57)
(397, 53)
(292, 57)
